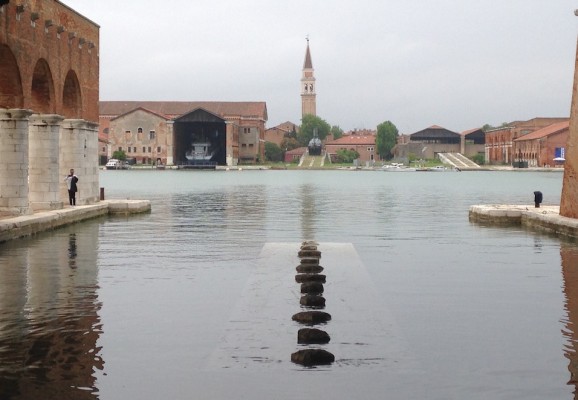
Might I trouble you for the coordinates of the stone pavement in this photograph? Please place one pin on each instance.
(544, 218)
(26, 225)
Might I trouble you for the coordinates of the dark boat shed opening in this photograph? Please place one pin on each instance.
(475, 136)
(200, 126)
(436, 134)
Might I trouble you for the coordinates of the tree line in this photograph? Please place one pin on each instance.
(386, 139)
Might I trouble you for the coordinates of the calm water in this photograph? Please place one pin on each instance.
(194, 301)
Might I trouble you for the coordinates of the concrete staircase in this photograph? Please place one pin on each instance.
(312, 162)
(458, 160)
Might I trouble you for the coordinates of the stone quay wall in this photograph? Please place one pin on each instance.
(36, 153)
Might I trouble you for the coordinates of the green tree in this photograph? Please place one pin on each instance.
(273, 152)
(386, 139)
(336, 131)
(119, 155)
(310, 123)
(345, 156)
(289, 143)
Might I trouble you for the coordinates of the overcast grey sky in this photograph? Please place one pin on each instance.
(458, 64)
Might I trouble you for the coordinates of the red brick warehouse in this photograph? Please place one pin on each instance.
(49, 59)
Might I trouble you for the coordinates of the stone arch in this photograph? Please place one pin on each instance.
(71, 96)
(11, 94)
(42, 94)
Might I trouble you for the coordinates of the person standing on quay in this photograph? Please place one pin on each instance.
(71, 180)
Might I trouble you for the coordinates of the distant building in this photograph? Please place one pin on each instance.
(164, 131)
(542, 148)
(500, 141)
(308, 96)
(429, 142)
(363, 144)
(278, 133)
(295, 154)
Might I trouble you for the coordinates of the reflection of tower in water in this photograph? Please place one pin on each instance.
(569, 256)
(308, 213)
(48, 343)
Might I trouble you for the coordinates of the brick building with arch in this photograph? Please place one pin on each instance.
(49, 88)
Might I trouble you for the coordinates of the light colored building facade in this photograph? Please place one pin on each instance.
(142, 134)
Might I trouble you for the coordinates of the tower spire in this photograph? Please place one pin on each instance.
(308, 96)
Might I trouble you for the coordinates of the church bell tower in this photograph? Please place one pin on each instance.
(308, 105)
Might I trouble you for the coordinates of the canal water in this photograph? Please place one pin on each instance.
(194, 301)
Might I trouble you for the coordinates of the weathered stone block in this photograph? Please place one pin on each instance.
(309, 269)
(310, 357)
(302, 278)
(312, 287)
(311, 317)
(312, 336)
(312, 301)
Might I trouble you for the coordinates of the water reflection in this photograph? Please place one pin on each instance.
(49, 322)
(308, 211)
(569, 255)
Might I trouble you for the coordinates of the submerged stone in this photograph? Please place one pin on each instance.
(310, 278)
(309, 268)
(312, 336)
(310, 253)
(312, 300)
(311, 317)
(310, 357)
(312, 287)
(310, 261)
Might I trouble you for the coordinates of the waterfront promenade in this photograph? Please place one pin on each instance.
(545, 218)
(26, 225)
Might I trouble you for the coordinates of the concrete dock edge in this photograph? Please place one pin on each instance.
(27, 225)
(544, 219)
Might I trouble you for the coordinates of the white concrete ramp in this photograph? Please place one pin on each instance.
(261, 335)
(457, 160)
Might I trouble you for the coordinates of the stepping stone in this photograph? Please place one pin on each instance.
(310, 357)
(312, 300)
(312, 336)
(310, 260)
(301, 278)
(312, 287)
(311, 317)
(309, 269)
(310, 253)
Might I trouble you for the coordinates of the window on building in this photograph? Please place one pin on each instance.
(127, 131)
(134, 149)
(159, 149)
(250, 144)
(128, 149)
(139, 130)
(143, 149)
(120, 149)
(149, 149)
(106, 130)
(244, 145)
(151, 134)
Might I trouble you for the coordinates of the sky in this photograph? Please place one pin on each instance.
(455, 63)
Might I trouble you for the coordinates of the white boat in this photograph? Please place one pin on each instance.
(113, 163)
(199, 152)
(395, 167)
(438, 168)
